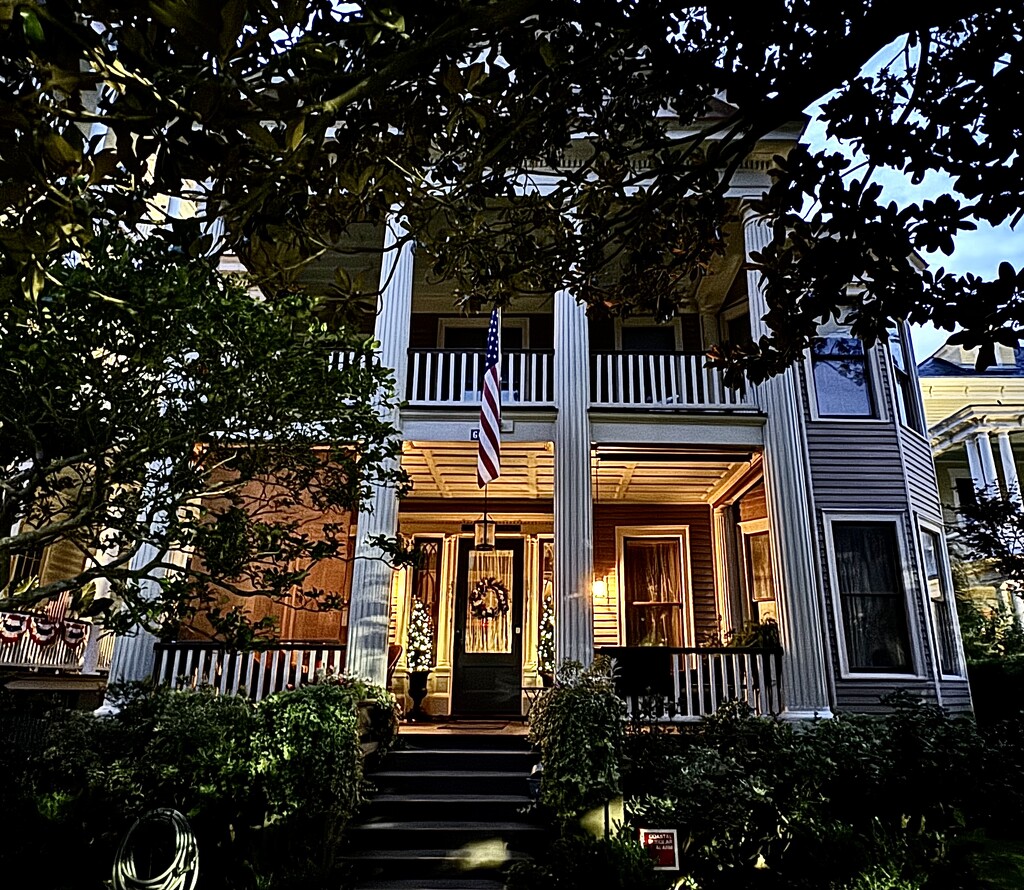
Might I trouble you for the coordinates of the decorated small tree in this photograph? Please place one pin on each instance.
(420, 653)
(546, 636)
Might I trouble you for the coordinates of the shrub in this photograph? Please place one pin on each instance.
(267, 788)
(579, 725)
(581, 862)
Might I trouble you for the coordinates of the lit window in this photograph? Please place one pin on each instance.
(653, 581)
(872, 597)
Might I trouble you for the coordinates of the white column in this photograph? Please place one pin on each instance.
(1010, 477)
(574, 517)
(974, 464)
(369, 608)
(988, 463)
(794, 563)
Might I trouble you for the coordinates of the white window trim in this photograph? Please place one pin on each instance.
(640, 322)
(915, 384)
(443, 324)
(682, 533)
(877, 392)
(925, 525)
(897, 518)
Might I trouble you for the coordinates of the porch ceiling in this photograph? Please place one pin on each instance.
(447, 470)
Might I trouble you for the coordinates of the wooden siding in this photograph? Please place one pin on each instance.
(424, 329)
(921, 479)
(697, 518)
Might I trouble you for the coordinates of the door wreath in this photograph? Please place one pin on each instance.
(488, 599)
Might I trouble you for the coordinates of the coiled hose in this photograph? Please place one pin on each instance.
(183, 871)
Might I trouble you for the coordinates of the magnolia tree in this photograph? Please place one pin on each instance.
(154, 407)
(293, 121)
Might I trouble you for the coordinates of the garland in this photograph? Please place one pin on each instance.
(488, 599)
(42, 630)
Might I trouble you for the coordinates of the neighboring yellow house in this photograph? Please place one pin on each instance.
(976, 425)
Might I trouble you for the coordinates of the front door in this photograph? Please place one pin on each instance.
(488, 659)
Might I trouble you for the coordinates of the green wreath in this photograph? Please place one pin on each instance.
(488, 599)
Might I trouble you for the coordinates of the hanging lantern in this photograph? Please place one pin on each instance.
(483, 533)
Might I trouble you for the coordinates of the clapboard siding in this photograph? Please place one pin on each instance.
(865, 696)
(697, 518)
(956, 696)
(921, 479)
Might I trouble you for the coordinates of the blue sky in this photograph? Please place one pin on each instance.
(980, 251)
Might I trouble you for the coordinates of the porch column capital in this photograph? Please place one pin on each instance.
(573, 506)
(370, 599)
(791, 514)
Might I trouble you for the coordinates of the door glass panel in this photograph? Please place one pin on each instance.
(488, 602)
(654, 591)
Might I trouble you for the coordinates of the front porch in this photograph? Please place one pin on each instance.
(682, 585)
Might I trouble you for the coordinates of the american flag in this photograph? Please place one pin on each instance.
(488, 462)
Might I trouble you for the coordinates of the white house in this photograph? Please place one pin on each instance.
(667, 517)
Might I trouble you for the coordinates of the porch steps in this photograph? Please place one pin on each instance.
(446, 814)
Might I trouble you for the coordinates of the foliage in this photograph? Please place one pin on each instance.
(298, 123)
(992, 529)
(148, 401)
(267, 788)
(854, 802)
(581, 862)
(579, 726)
(989, 633)
(420, 639)
(378, 707)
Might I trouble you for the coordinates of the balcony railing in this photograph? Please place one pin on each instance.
(254, 675)
(671, 380)
(444, 377)
(679, 685)
(30, 640)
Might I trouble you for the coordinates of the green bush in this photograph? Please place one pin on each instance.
(579, 726)
(581, 862)
(853, 803)
(267, 788)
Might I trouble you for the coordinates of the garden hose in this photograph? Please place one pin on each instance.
(183, 871)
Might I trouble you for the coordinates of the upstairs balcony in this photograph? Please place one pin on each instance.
(669, 381)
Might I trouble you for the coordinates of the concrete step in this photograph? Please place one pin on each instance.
(487, 759)
(388, 834)
(481, 862)
(448, 807)
(502, 782)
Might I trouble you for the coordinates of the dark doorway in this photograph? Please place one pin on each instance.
(487, 670)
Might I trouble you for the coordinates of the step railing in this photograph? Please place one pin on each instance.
(686, 684)
(444, 377)
(670, 380)
(254, 675)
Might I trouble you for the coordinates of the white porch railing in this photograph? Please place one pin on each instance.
(255, 675)
(443, 377)
(34, 641)
(679, 685)
(660, 380)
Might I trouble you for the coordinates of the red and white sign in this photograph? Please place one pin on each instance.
(662, 845)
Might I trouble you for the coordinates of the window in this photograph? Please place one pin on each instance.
(904, 385)
(871, 596)
(470, 334)
(842, 377)
(941, 598)
(426, 580)
(653, 584)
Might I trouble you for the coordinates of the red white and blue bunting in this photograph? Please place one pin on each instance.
(41, 630)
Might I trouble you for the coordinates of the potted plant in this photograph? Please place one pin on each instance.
(420, 649)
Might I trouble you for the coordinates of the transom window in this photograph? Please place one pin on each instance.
(872, 597)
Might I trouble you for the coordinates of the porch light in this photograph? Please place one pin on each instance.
(600, 588)
(483, 533)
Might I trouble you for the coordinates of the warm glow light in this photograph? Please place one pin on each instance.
(600, 588)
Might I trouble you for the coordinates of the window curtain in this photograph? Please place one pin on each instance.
(872, 596)
(489, 602)
(653, 577)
